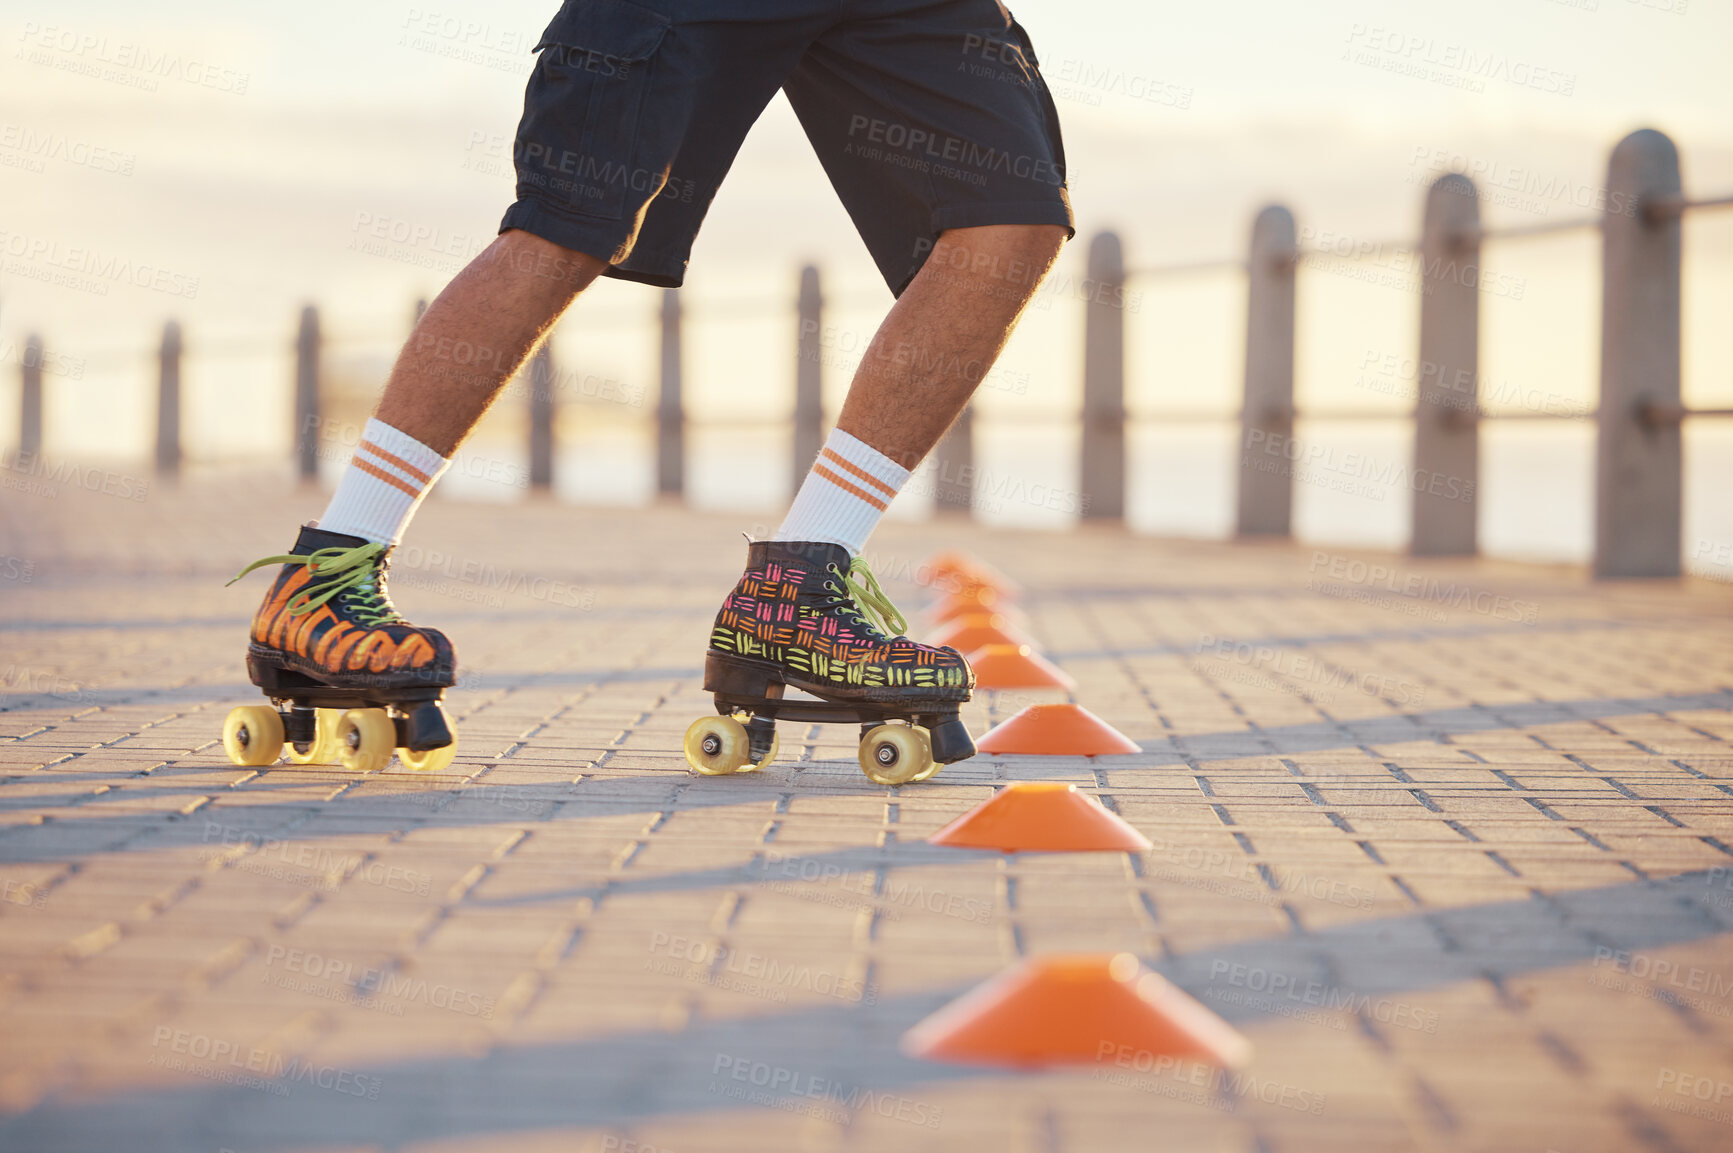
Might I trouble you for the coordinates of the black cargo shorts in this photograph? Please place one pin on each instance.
(926, 114)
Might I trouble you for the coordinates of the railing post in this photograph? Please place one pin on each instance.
(1447, 398)
(1102, 475)
(30, 415)
(307, 396)
(1638, 456)
(808, 377)
(542, 416)
(671, 405)
(954, 466)
(168, 403)
(1266, 489)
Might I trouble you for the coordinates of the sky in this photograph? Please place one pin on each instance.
(237, 155)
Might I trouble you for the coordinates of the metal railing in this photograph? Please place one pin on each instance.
(1638, 480)
(1639, 466)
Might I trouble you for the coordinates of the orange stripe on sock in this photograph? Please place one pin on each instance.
(863, 494)
(372, 469)
(856, 470)
(395, 461)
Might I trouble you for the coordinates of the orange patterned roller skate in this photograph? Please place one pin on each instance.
(349, 679)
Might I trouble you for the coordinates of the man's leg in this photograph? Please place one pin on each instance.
(805, 614)
(327, 615)
(927, 358)
(943, 335)
(471, 341)
(477, 334)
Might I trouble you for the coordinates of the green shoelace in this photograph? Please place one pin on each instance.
(873, 606)
(349, 574)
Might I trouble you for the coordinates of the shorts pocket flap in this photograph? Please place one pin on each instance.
(606, 28)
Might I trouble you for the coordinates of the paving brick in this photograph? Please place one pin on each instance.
(1495, 915)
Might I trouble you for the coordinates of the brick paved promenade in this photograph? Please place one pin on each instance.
(1457, 857)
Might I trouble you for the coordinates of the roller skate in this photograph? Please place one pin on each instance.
(807, 616)
(350, 680)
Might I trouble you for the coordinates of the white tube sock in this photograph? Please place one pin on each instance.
(850, 486)
(383, 485)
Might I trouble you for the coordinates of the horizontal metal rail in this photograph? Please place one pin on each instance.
(1656, 209)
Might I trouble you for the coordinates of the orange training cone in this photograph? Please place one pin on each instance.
(1077, 1009)
(953, 566)
(1057, 731)
(1016, 666)
(954, 569)
(948, 612)
(1041, 816)
(972, 631)
(973, 598)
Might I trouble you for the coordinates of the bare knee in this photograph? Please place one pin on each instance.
(532, 255)
(1016, 252)
(1033, 235)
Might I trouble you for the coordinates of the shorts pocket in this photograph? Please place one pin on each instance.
(580, 144)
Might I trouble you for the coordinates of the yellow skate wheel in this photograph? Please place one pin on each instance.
(432, 761)
(366, 738)
(323, 750)
(718, 745)
(253, 735)
(924, 774)
(896, 754)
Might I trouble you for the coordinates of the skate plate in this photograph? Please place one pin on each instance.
(901, 742)
(358, 727)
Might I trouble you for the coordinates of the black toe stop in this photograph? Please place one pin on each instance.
(426, 728)
(952, 742)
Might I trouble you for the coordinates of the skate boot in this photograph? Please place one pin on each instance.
(349, 678)
(807, 616)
